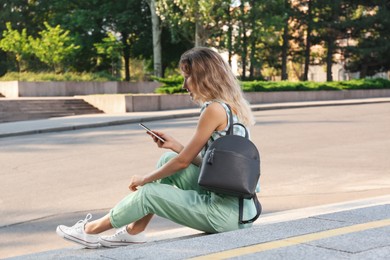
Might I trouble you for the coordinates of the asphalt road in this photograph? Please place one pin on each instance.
(310, 156)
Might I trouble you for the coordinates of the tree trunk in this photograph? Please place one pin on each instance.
(126, 56)
(285, 41)
(308, 41)
(156, 33)
(252, 59)
(200, 39)
(200, 34)
(230, 36)
(363, 71)
(197, 36)
(253, 40)
(331, 39)
(244, 43)
(329, 59)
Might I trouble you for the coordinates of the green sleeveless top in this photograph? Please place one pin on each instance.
(237, 129)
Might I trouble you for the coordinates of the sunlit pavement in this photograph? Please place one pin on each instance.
(342, 231)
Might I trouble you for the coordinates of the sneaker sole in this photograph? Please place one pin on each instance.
(113, 244)
(77, 240)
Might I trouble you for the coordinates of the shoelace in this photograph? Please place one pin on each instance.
(122, 231)
(88, 217)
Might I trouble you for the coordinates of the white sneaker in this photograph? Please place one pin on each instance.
(77, 234)
(122, 238)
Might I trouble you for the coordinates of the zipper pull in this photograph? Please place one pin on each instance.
(210, 160)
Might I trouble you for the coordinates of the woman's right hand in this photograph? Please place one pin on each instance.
(170, 142)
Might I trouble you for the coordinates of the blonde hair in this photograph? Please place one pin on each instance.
(213, 79)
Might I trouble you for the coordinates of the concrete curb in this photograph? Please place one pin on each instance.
(184, 243)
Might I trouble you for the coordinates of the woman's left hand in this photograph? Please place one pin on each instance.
(135, 182)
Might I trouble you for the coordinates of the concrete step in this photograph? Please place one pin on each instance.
(12, 110)
(30, 108)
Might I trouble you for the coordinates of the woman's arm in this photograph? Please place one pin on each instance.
(172, 144)
(213, 118)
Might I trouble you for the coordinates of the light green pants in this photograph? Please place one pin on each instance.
(180, 199)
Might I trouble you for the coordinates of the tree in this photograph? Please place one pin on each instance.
(254, 17)
(20, 14)
(203, 15)
(53, 47)
(265, 30)
(112, 49)
(309, 28)
(131, 20)
(285, 38)
(243, 36)
(85, 22)
(370, 27)
(156, 33)
(331, 29)
(15, 42)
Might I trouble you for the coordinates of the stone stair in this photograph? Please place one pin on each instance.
(21, 109)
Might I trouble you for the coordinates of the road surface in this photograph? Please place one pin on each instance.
(310, 156)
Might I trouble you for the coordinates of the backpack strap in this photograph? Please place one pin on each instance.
(241, 209)
(230, 130)
(246, 130)
(241, 200)
(232, 124)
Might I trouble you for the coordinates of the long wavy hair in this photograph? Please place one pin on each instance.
(213, 79)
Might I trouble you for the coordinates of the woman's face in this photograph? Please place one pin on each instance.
(187, 85)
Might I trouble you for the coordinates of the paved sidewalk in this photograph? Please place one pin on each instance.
(100, 120)
(352, 230)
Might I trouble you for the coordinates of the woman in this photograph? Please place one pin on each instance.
(172, 190)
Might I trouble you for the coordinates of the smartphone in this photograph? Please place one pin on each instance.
(151, 132)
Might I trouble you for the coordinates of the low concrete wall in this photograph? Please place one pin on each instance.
(137, 87)
(156, 102)
(139, 103)
(14, 89)
(9, 89)
(110, 104)
(297, 96)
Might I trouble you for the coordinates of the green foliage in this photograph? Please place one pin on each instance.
(54, 46)
(267, 86)
(111, 49)
(371, 30)
(48, 76)
(249, 30)
(85, 22)
(174, 85)
(171, 85)
(17, 43)
(378, 83)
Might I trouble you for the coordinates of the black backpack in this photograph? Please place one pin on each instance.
(231, 166)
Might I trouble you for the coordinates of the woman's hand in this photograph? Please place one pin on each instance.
(135, 182)
(170, 142)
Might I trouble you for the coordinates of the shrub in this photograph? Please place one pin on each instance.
(174, 85)
(171, 85)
